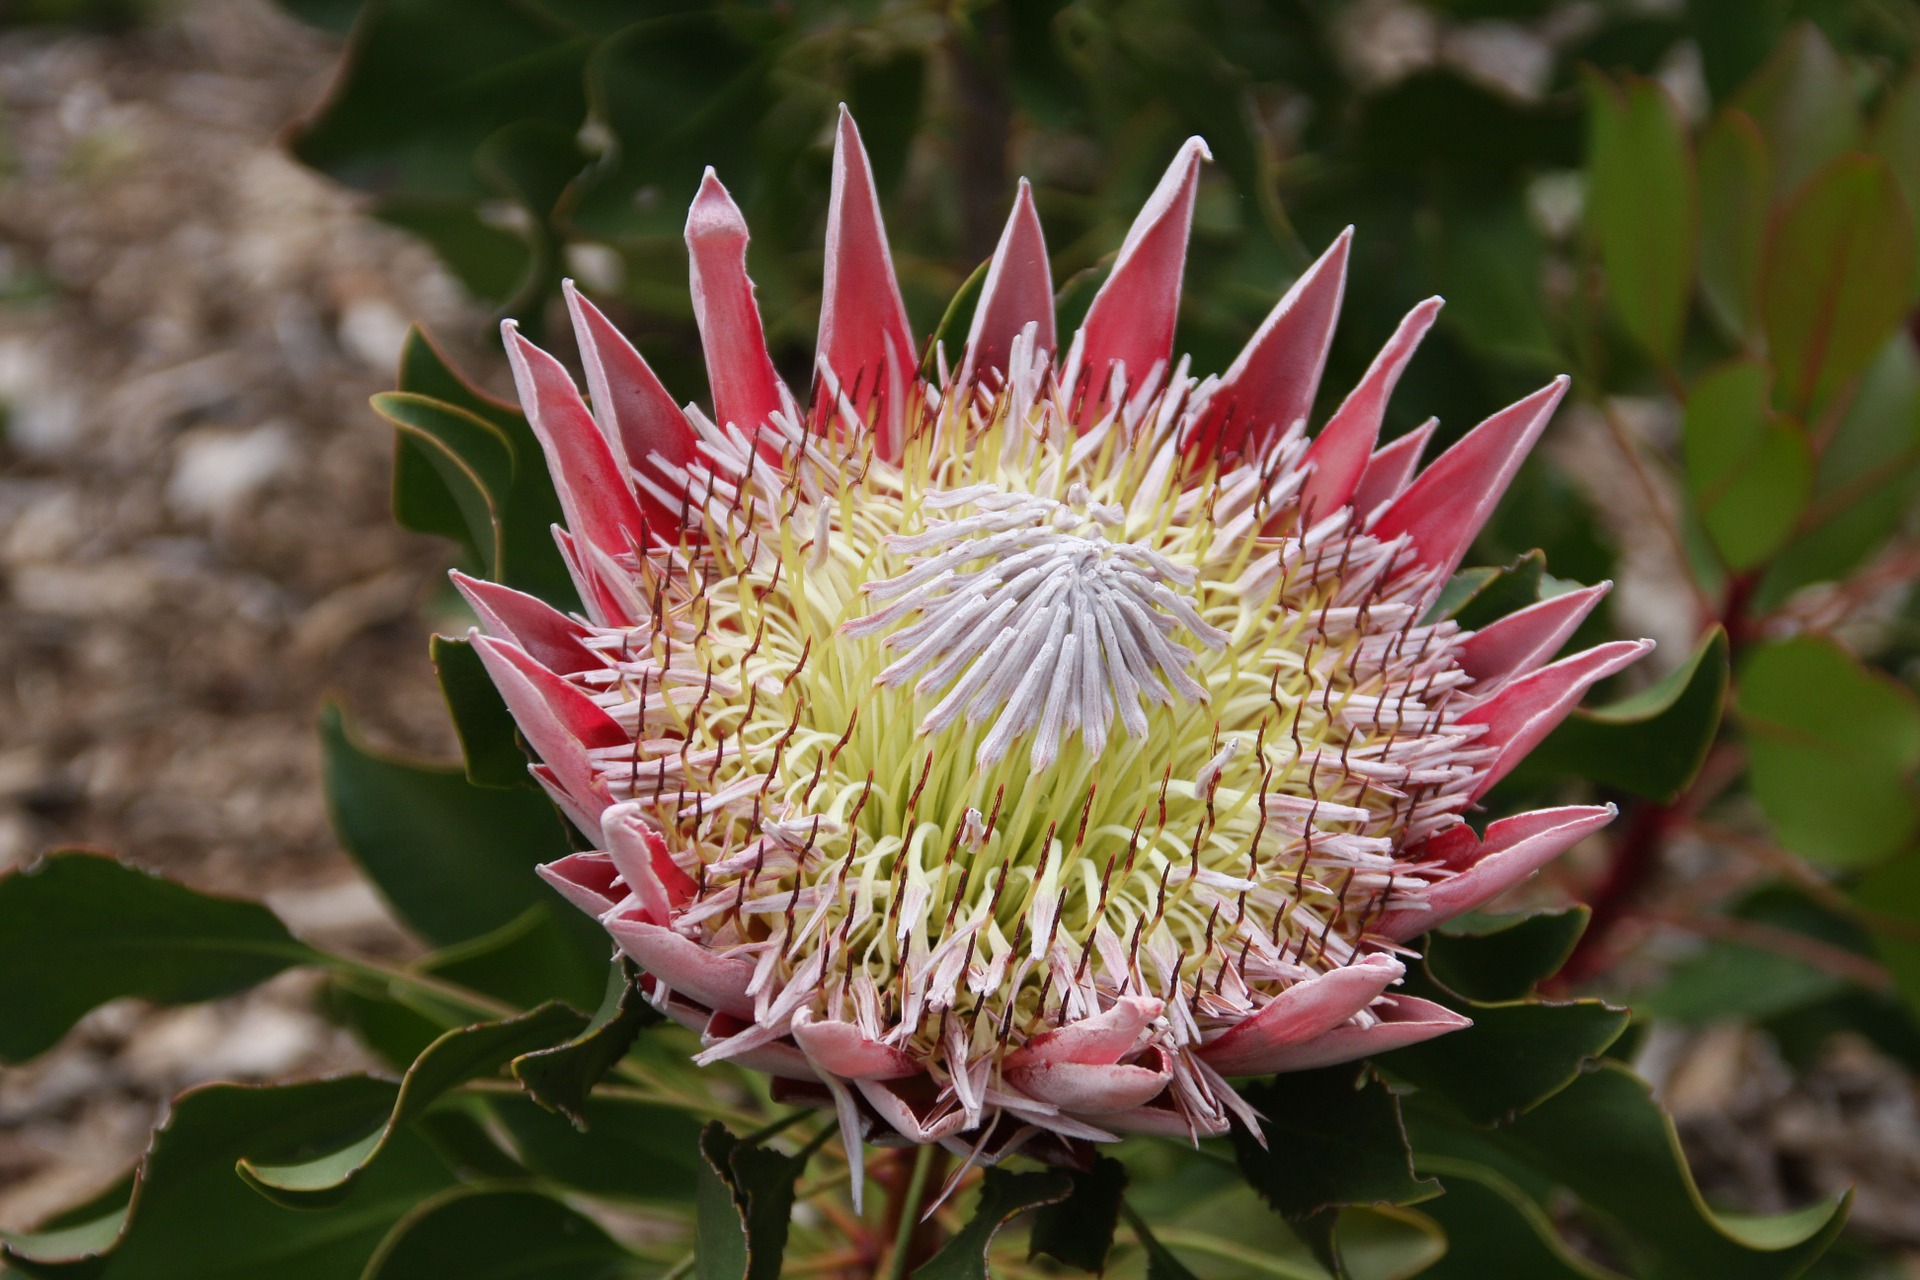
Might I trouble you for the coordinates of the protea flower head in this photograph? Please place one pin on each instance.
(1013, 757)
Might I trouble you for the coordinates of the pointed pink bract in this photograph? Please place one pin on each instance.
(1527, 710)
(1514, 849)
(1447, 505)
(1271, 384)
(1391, 469)
(1132, 317)
(594, 492)
(1018, 291)
(1341, 453)
(864, 336)
(1521, 641)
(550, 637)
(635, 412)
(1299, 1015)
(746, 390)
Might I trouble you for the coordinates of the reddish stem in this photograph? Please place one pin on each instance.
(1635, 858)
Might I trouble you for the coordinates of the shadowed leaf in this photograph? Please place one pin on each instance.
(78, 929)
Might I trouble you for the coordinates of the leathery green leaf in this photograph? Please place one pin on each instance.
(1832, 748)
(624, 1149)
(1516, 1054)
(488, 741)
(1475, 597)
(528, 508)
(190, 1218)
(1734, 208)
(561, 1077)
(1495, 958)
(480, 1233)
(1494, 1229)
(1333, 1138)
(455, 860)
(1650, 743)
(468, 469)
(1837, 278)
(1604, 1139)
(1640, 208)
(743, 1202)
(455, 1058)
(1003, 1197)
(1749, 471)
(1895, 138)
(1803, 100)
(78, 929)
(1078, 1230)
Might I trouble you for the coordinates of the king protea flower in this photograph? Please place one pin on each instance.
(1016, 757)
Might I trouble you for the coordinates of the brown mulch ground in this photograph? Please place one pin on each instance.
(195, 546)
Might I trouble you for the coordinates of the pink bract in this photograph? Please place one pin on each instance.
(1008, 757)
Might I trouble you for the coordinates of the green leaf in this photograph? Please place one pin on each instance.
(1494, 1229)
(1495, 958)
(1749, 472)
(1605, 1140)
(1837, 278)
(1003, 1197)
(426, 82)
(1724, 981)
(1078, 1230)
(455, 860)
(528, 510)
(560, 1078)
(481, 1234)
(426, 371)
(450, 470)
(1161, 1264)
(79, 929)
(1333, 1138)
(677, 92)
(645, 1152)
(1869, 475)
(964, 300)
(1641, 208)
(488, 741)
(395, 1031)
(455, 1058)
(1831, 749)
(1890, 894)
(1803, 101)
(1650, 743)
(550, 950)
(1895, 138)
(1733, 220)
(1475, 597)
(190, 1218)
(1516, 1054)
(744, 1201)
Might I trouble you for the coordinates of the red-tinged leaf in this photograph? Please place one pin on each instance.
(1838, 270)
(1804, 102)
(1895, 138)
(1734, 187)
(1749, 471)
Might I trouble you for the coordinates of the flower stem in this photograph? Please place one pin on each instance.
(910, 1212)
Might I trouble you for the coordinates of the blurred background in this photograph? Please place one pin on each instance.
(219, 218)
